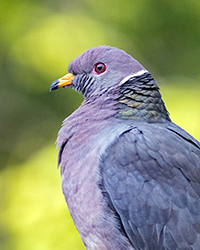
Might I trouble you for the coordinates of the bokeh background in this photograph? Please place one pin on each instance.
(37, 41)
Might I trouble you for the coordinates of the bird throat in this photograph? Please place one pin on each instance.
(139, 98)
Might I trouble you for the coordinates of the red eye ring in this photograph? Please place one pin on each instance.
(99, 67)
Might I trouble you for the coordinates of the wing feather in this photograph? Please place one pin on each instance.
(152, 178)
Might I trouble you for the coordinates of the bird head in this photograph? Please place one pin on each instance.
(97, 70)
(109, 72)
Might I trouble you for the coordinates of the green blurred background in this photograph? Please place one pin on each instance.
(37, 41)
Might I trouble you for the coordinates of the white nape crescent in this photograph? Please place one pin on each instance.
(139, 73)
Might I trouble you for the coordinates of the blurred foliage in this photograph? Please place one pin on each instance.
(38, 39)
(33, 212)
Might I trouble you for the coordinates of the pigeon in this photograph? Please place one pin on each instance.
(130, 176)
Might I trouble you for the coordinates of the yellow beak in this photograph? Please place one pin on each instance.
(62, 82)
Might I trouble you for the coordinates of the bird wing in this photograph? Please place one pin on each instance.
(151, 181)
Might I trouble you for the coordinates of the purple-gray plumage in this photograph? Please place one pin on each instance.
(130, 177)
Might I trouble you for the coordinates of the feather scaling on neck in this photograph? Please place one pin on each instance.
(139, 98)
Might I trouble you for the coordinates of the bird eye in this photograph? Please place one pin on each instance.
(99, 68)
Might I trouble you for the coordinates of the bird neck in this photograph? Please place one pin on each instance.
(139, 98)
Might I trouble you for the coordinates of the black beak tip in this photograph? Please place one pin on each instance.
(54, 85)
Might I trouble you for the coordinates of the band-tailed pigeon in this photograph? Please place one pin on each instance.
(130, 177)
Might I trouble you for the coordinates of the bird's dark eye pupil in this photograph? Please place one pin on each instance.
(99, 68)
